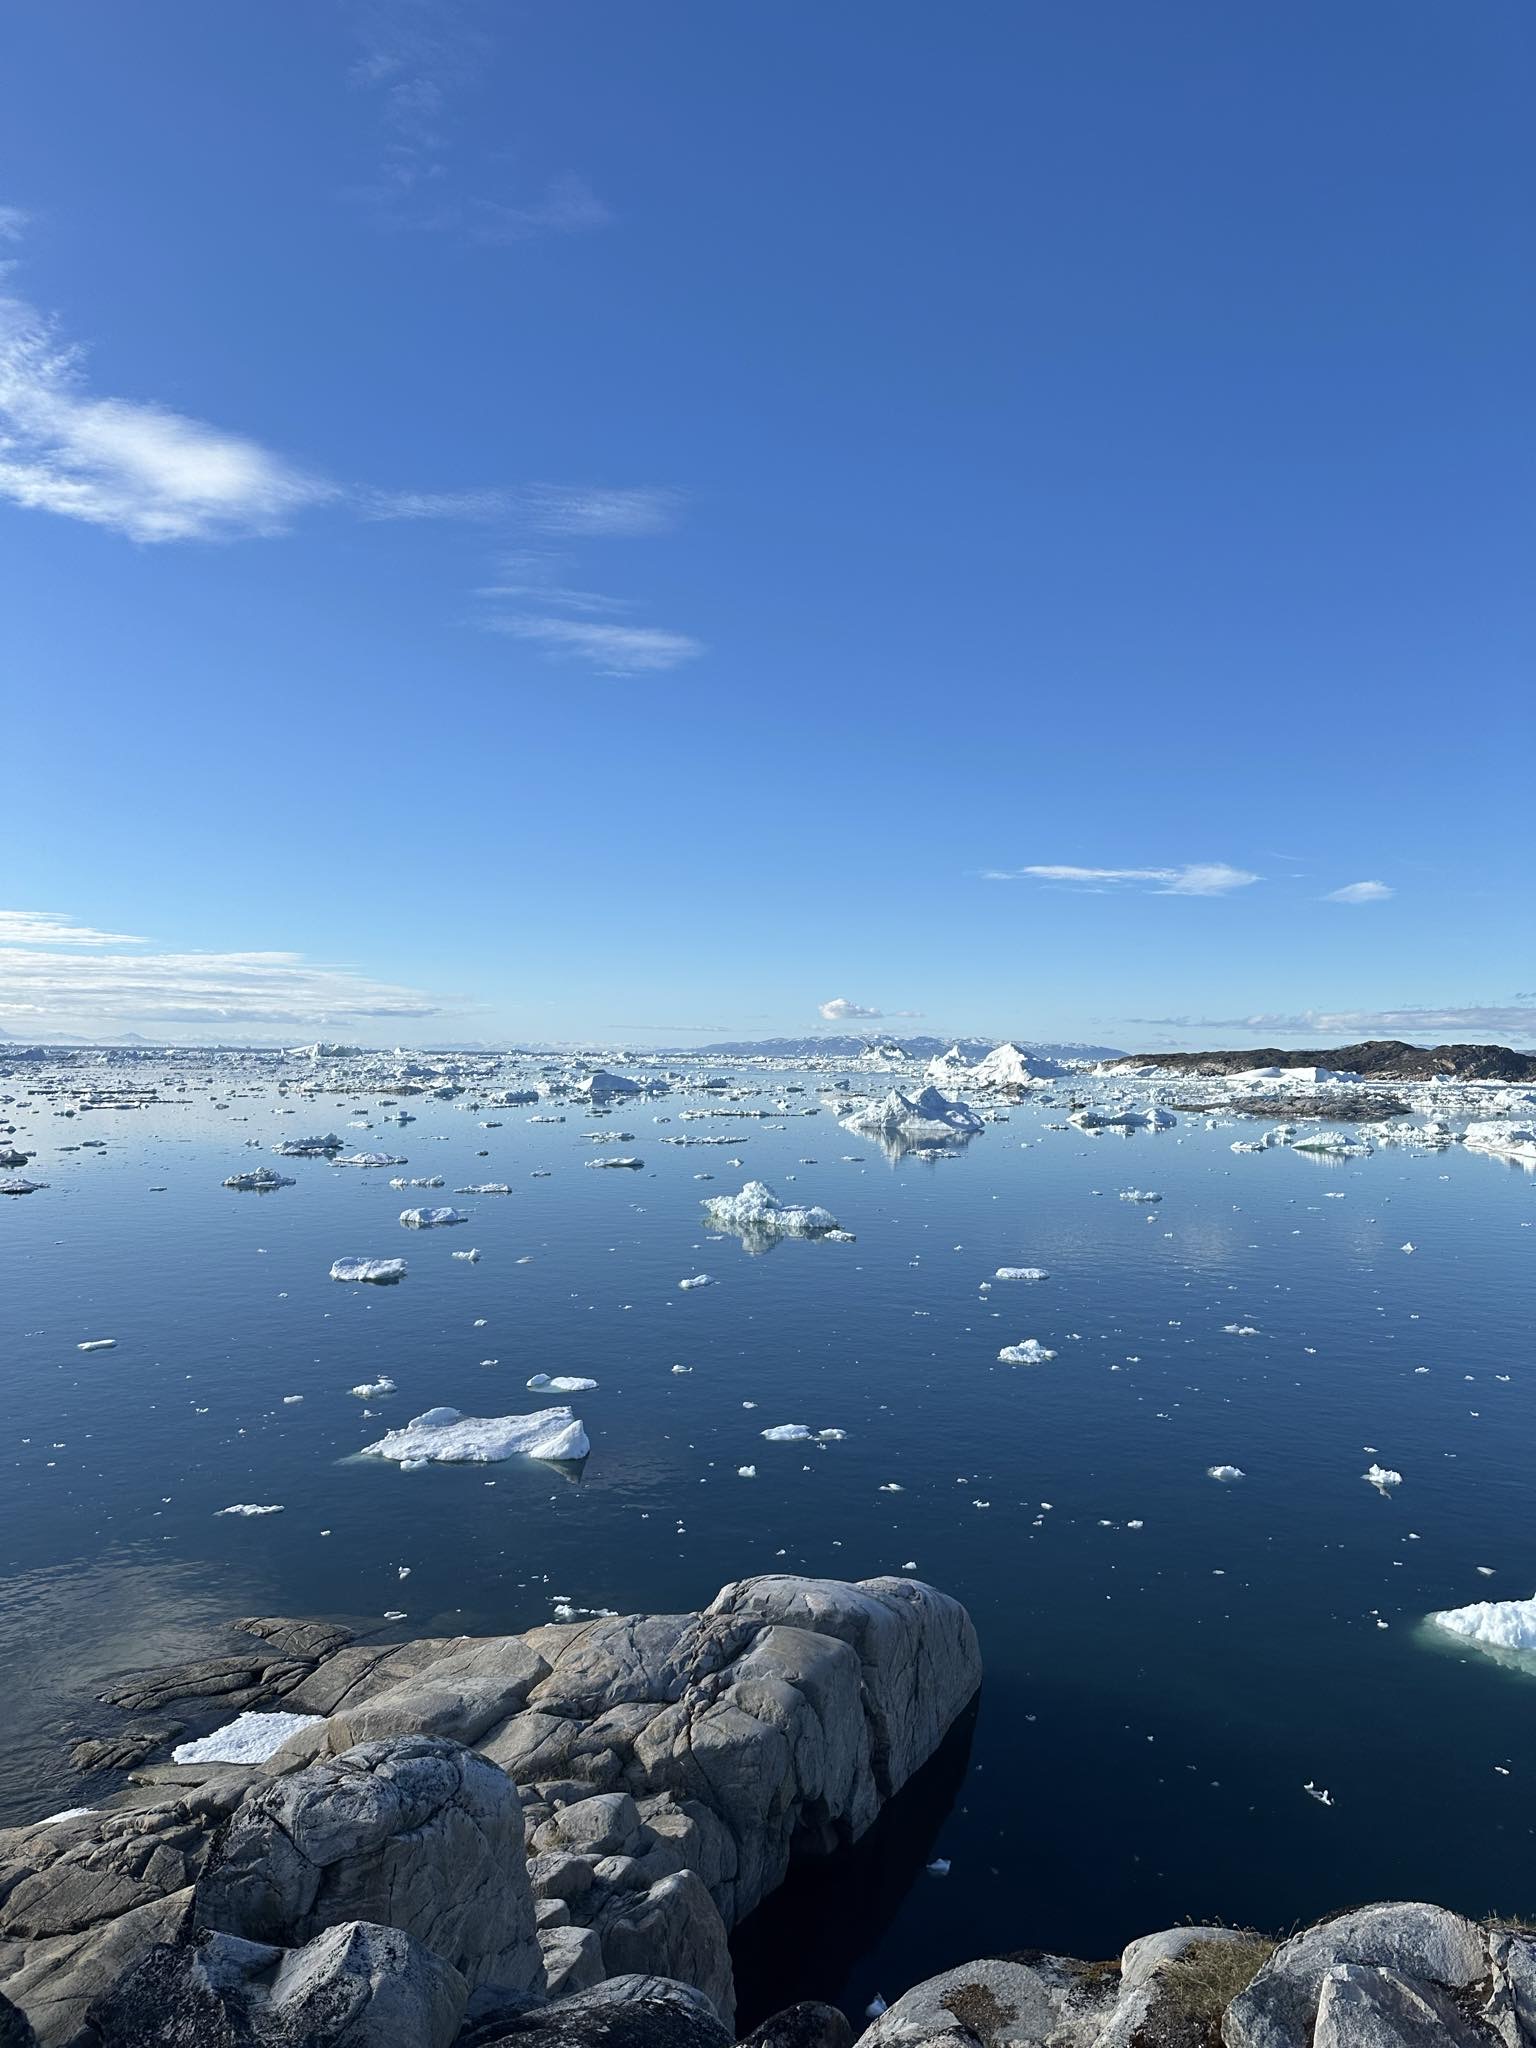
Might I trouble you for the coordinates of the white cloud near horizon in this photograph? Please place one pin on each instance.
(841, 1011)
(1360, 892)
(1197, 878)
(53, 991)
(1512, 1019)
(50, 928)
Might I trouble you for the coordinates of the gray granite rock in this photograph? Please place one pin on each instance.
(418, 1834)
(1360, 2007)
(1511, 2006)
(1413, 1940)
(1001, 2004)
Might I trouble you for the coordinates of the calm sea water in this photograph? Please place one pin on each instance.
(1156, 1696)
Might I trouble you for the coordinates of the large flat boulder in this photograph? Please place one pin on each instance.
(1412, 1940)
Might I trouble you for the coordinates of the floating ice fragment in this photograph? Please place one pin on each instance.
(1381, 1477)
(1139, 1195)
(1225, 1472)
(444, 1436)
(431, 1219)
(542, 1383)
(248, 1739)
(1028, 1351)
(371, 1389)
(1316, 1792)
(746, 1471)
(1021, 1273)
(939, 1867)
(470, 1257)
(381, 1272)
(261, 1181)
(758, 1212)
(370, 1159)
(1492, 1624)
(248, 1507)
(698, 1280)
(98, 1344)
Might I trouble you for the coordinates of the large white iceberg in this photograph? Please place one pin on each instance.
(926, 1114)
(431, 1219)
(1009, 1069)
(442, 1436)
(248, 1739)
(382, 1272)
(758, 1212)
(308, 1148)
(1495, 1624)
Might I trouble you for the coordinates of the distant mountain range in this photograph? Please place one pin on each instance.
(849, 1046)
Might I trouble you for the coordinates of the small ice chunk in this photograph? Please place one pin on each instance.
(698, 1280)
(431, 1219)
(1028, 1351)
(1021, 1273)
(746, 1471)
(248, 1739)
(371, 1389)
(98, 1344)
(789, 1433)
(261, 1181)
(1225, 1473)
(1381, 1477)
(249, 1507)
(542, 1383)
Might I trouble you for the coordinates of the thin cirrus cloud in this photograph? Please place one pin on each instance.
(415, 62)
(157, 476)
(1360, 892)
(1197, 878)
(1508, 1020)
(841, 1011)
(139, 469)
(93, 988)
(50, 928)
(611, 650)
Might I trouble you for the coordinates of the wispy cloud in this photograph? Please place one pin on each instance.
(1360, 892)
(611, 650)
(418, 59)
(491, 503)
(600, 511)
(841, 1011)
(568, 206)
(52, 991)
(1509, 1020)
(13, 223)
(1198, 878)
(50, 928)
(138, 468)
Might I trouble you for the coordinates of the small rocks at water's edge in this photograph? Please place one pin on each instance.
(465, 1840)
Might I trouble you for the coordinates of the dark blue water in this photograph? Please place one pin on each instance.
(1156, 1697)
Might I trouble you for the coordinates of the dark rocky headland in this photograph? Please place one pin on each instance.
(477, 1841)
(1376, 1059)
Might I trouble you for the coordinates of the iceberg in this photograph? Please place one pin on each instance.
(757, 1215)
(602, 1084)
(541, 1383)
(1021, 1273)
(21, 1186)
(1504, 1139)
(370, 1159)
(382, 1272)
(98, 1344)
(1225, 1472)
(425, 1180)
(1495, 1624)
(259, 1182)
(250, 1507)
(431, 1219)
(308, 1148)
(1009, 1069)
(802, 1433)
(248, 1739)
(634, 1165)
(1028, 1351)
(698, 1280)
(926, 1114)
(1381, 1477)
(371, 1389)
(442, 1436)
(486, 1187)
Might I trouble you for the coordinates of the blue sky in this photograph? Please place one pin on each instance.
(595, 521)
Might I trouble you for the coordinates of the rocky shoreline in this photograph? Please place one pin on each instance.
(459, 1842)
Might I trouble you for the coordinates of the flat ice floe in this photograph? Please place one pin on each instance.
(1028, 1351)
(261, 1181)
(250, 1507)
(442, 1436)
(382, 1272)
(248, 1739)
(370, 1159)
(432, 1219)
(802, 1433)
(1225, 1472)
(562, 1383)
(698, 1280)
(757, 1212)
(98, 1344)
(308, 1148)
(634, 1165)
(1021, 1273)
(1494, 1624)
